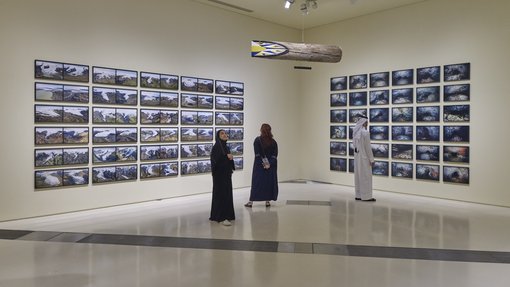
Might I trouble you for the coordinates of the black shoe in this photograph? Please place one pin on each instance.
(357, 198)
(268, 204)
(371, 199)
(248, 204)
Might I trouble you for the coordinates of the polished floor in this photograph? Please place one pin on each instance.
(314, 235)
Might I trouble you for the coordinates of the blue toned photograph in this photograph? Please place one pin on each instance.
(402, 133)
(427, 152)
(427, 133)
(402, 169)
(378, 80)
(402, 77)
(428, 75)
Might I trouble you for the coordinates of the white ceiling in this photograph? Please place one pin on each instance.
(328, 11)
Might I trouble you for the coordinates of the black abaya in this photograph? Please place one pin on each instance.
(222, 206)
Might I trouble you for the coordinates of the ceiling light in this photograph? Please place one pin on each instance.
(288, 3)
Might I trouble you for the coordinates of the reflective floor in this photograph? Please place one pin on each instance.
(314, 235)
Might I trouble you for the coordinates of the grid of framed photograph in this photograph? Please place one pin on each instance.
(418, 122)
(148, 143)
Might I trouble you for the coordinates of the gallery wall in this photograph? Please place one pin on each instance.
(176, 37)
(430, 33)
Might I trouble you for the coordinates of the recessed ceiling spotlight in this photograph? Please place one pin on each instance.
(288, 3)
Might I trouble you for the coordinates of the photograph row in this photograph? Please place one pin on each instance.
(51, 70)
(453, 113)
(451, 174)
(108, 135)
(407, 133)
(457, 154)
(129, 116)
(425, 75)
(451, 93)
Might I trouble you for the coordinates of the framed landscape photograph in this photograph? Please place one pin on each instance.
(169, 169)
(48, 178)
(456, 133)
(338, 148)
(169, 151)
(126, 78)
(76, 94)
(49, 92)
(76, 73)
(126, 116)
(75, 156)
(48, 135)
(457, 113)
(234, 134)
(427, 152)
(338, 100)
(204, 150)
(205, 102)
(402, 169)
(103, 135)
(126, 172)
(150, 170)
(169, 99)
(150, 80)
(338, 83)
(189, 167)
(455, 174)
(402, 133)
(189, 84)
(358, 99)
(189, 117)
(402, 151)
(427, 172)
(189, 151)
(402, 96)
(149, 116)
(205, 85)
(338, 116)
(48, 114)
(380, 150)
(76, 176)
(427, 133)
(126, 153)
(428, 75)
(169, 134)
(48, 70)
(456, 154)
(351, 165)
(101, 115)
(402, 114)
(358, 82)
(76, 135)
(381, 97)
(239, 163)
(379, 132)
(428, 94)
(236, 88)
(150, 98)
(237, 104)
(381, 79)
(204, 166)
(337, 164)
(104, 155)
(456, 93)
(236, 148)
(338, 132)
(126, 135)
(49, 157)
(222, 103)
(222, 118)
(104, 95)
(427, 114)
(236, 119)
(76, 114)
(103, 174)
(457, 72)
(205, 134)
(102, 75)
(169, 117)
(222, 87)
(402, 77)
(169, 82)
(189, 101)
(379, 115)
(380, 168)
(126, 97)
(355, 114)
(205, 118)
(189, 134)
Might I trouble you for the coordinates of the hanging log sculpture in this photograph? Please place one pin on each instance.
(296, 51)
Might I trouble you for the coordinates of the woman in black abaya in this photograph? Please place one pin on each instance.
(222, 165)
(264, 181)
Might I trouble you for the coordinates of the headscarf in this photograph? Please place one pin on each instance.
(357, 132)
(221, 143)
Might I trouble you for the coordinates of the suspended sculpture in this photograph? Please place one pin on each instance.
(296, 51)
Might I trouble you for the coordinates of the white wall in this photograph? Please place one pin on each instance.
(163, 36)
(434, 32)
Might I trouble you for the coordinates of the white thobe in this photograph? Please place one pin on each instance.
(363, 168)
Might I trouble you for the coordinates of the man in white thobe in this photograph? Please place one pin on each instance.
(363, 161)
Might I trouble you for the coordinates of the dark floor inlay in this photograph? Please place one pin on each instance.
(264, 246)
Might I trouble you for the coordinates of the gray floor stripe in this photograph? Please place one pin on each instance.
(264, 246)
